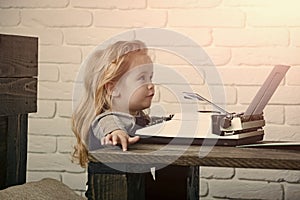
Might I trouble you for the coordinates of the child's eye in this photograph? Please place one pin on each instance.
(142, 78)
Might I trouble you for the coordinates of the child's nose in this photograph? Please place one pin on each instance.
(150, 85)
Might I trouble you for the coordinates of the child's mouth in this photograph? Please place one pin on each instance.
(150, 95)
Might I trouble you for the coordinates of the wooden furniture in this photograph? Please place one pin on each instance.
(184, 167)
(18, 97)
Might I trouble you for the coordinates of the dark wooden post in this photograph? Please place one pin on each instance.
(18, 97)
(172, 182)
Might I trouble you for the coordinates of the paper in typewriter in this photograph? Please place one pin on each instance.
(266, 91)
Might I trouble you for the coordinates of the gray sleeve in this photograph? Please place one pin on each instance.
(110, 123)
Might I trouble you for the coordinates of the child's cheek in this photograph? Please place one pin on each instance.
(135, 86)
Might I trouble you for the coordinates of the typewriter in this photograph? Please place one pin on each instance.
(216, 127)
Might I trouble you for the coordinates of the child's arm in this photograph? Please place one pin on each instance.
(119, 137)
(113, 129)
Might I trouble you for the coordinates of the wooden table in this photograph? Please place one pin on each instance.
(183, 161)
(18, 97)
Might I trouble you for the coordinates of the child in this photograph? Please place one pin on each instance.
(117, 88)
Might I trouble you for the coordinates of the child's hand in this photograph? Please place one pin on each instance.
(119, 137)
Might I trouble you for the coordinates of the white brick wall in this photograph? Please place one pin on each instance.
(244, 39)
(56, 18)
(245, 190)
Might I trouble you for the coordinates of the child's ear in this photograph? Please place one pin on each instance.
(111, 89)
(115, 93)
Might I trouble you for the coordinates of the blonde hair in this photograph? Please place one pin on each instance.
(101, 67)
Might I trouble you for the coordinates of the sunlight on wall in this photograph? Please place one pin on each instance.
(290, 7)
(277, 13)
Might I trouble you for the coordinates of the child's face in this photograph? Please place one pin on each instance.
(135, 87)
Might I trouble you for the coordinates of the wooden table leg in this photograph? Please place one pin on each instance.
(110, 184)
(193, 183)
